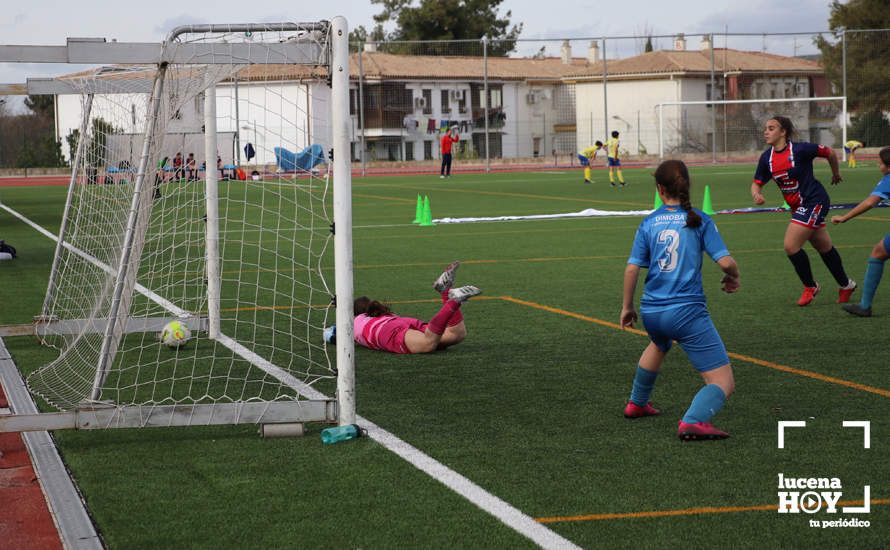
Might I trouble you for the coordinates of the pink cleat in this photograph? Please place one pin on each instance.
(699, 431)
(632, 410)
(809, 292)
(844, 293)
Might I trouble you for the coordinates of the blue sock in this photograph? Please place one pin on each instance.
(873, 274)
(706, 403)
(644, 381)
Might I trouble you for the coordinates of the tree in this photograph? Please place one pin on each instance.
(359, 35)
(41, 105)
(868, 86)
(648, 47)
(448, 20)
(96, 154)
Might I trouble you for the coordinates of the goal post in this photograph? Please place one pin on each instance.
(688, 127)
(241, 254)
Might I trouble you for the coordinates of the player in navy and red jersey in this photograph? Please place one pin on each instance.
(376, 327)
(791, 165)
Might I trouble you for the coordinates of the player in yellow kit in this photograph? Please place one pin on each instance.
(850, 148)
(587, 156)
(614, 162)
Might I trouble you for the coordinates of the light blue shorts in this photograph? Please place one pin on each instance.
(692, 328)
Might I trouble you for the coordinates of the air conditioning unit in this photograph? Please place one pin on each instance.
(456, 95)
(531, 98)
(420, 103)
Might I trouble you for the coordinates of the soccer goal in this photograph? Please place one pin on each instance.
(179, 210)
(734, 128)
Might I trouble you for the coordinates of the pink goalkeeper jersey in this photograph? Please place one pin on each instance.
(386, 333)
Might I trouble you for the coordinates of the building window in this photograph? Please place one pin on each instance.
(427, 150)
(428, 102)
(446, 107)
(496, 102)
(462, 102)
(409, 150)
(353, 99)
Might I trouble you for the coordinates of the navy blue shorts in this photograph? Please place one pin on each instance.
(614, 162)
(812, 216)
(583, 160)
(692, 328)
(887, 242)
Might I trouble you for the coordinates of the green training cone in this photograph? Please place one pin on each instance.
(706, 205)
(427, 218)
(418, 211)
(657, 204)
(785, 205)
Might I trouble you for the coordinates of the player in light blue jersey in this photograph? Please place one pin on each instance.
(670, 243)
(881, 252)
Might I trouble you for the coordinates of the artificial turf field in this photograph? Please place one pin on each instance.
(529, 406)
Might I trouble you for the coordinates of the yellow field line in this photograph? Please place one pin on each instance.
(688, 512)
(323, 306)
(570, 314)
(747, 359)
(385, 198)
(808, 374)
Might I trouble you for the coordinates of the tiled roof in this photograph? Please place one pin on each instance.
(387, 66)
(699, 61)
(379, 65)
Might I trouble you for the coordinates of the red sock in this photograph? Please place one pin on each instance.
(456, 319)
(440, 320)
(444, 296)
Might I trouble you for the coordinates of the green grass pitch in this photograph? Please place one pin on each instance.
(529, 406)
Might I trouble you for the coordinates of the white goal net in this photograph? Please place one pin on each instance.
(203, 192)
(734, 128)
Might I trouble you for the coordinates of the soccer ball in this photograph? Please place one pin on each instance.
(175, 334)
(330, 334)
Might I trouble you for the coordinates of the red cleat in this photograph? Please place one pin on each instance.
(632, 410)
(699, 431)
(809, 292)
(843, 294)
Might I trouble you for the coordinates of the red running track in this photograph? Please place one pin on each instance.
(25, 520)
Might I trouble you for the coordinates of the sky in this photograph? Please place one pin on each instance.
(48, 22)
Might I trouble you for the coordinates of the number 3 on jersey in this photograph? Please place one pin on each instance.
(672, 238)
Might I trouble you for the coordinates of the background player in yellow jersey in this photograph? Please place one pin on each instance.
(614, 161)
(587, 156)
(850, 148)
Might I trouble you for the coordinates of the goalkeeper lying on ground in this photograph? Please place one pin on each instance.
(377, 327)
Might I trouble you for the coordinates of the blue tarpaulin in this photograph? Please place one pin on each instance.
(305, 160)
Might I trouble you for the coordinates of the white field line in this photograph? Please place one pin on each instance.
(509, 515)
(164, 303)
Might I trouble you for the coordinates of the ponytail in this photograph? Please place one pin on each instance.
(673, 177)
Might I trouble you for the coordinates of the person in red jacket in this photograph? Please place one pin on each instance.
(448, 139)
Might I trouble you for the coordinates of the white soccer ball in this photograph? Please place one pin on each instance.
(175, 334)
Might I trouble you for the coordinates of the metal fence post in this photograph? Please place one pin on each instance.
(485, 98)
(605, 94)
(361, 107)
